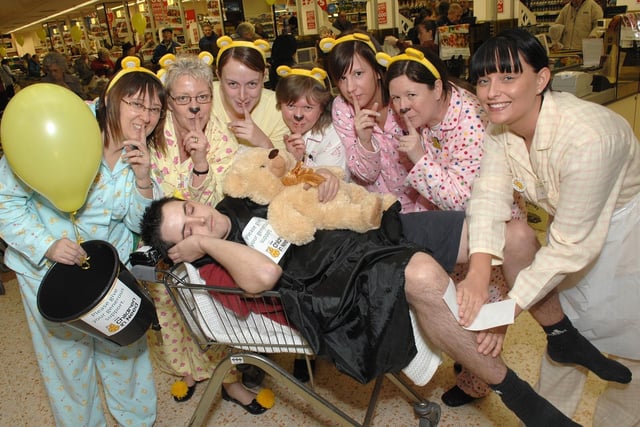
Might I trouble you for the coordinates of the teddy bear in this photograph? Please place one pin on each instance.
(273, 177)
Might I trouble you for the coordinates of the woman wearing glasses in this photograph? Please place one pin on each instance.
(198, 153)
(72, 363)
(199, 146)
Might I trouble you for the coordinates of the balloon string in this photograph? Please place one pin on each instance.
(84, 262)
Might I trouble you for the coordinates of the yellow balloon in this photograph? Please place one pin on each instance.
(20, 39)
(52, 142)
(3, 51)
(139, 22)
(270, 2)
(76, 33)
(41, 34)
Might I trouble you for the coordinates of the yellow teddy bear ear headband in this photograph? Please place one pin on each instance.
(130, 64)
(168, 59)
(328, 43)
(318, 74)
(226, 42)
(410, 54)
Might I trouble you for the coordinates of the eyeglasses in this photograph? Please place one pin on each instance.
(140, 108)
(205, 98)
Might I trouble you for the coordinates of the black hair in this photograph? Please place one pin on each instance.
(417, 72)
(340, 59)
(150, 226)
(503, 53)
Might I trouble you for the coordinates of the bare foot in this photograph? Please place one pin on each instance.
(189, 380)
(238, 392)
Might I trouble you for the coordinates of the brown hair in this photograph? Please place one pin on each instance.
(109, 104)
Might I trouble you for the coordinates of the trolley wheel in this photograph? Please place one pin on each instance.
(428, 412)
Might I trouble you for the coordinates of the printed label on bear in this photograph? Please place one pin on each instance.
(116, 310)
(259, 235)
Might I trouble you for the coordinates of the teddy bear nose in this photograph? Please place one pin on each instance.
(273, 153)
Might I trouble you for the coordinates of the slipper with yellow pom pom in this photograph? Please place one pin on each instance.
(181, 392)
(265, 399)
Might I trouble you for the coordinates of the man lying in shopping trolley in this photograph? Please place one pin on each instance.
(348, 293)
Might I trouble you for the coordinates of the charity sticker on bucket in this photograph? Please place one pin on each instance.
(104, 300)
(116, 310)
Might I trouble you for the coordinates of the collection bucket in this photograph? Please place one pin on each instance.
(103, 300)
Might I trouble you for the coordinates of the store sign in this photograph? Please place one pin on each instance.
(159, 9)
(382, 13)
(311, 20)
(190, 15)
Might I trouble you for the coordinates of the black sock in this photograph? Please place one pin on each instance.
(566, 345)
(532, 409)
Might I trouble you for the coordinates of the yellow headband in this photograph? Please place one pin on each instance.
(318, 74)
(226, 42)
(130, 64)
(410, 54)
(328, 43)
(168, 59)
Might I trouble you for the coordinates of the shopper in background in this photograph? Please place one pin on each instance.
(128, 49)
(56, 68)
(580, 162)
(240, 100)
(208, 41)
(342, 23)
(245, 31)
(427, 34)
(442, 10)
(260, 32)
(72, 363)
(7, 78)
(167, 45)
(283, 51)
(33, 66)
(82, 67)
(579, 18)
(103, 66)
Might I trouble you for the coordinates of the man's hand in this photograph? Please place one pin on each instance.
(187, 250)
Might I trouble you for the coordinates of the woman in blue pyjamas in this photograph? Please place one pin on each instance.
(131, 118)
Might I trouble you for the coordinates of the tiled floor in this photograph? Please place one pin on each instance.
(23, 401)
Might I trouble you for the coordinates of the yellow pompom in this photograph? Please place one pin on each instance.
(266, 398)
(179, 389)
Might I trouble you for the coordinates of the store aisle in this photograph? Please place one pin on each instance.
(23, 400)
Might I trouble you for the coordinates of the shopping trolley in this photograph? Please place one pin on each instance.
(250, 325)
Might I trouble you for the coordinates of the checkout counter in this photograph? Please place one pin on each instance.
(614, 81)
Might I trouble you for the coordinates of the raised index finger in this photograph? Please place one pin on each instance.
(407, 123)
(247, 113)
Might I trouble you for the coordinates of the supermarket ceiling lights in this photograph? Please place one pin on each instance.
(22, 14)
